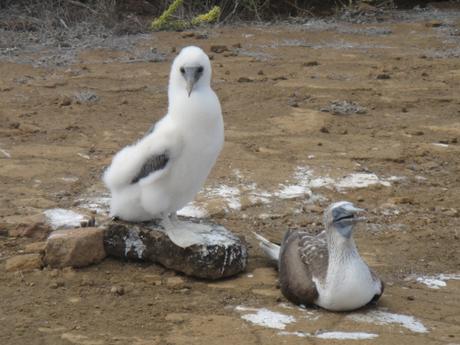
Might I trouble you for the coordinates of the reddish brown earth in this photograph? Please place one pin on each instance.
(405, 72)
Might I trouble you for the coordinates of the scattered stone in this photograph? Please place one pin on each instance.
(117, 290)
(54, 273)
(434, 24)
(36, 247)
(230, 54)
(201, 36)
(324, 130)
(310, 64)
(281, 77)
(344, 108)
(26, 262)
(75, 247)
(37, 230)
(86, 281)
(66, 101)
(383, 76)
(217, 253)
(293, 103)
(85, 96)
(245, 80)
(451, 212)
(175, 283)
(88, 223)
(218, 49)
(188, 34)
(266, 292)
(261, 72)
(236, 45)
(152, 279)
(57, 284)
(401, 200)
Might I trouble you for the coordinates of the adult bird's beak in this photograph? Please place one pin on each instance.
(356, 210)
(191, 76)
(352, 208)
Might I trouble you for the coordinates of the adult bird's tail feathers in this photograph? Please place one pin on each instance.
(270, 249)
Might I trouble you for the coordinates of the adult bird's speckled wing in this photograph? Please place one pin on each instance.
(314, 254)
(151, 165)
(300, 262)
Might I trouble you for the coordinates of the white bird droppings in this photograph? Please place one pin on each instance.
(360, 180)
(439, 281)
(332, 335)
(266, 318)
(99, 204)
(346, 335)
(297, 334)
(60, 218)
(133, 242)
(380, 317)
(5, 153)
(440, 145)
(193, 211)
(230, 194)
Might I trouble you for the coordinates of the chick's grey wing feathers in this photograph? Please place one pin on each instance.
(295, 277)
(151, 165)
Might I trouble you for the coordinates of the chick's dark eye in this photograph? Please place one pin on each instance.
(200, 69)
(182, 70)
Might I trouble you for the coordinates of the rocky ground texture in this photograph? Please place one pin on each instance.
(362, 109)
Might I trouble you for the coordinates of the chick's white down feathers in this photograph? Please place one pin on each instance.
(190, 136)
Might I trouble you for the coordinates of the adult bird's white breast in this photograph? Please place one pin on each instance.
(165, 169)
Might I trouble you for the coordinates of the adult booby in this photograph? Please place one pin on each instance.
(164, 170)
(326, 269)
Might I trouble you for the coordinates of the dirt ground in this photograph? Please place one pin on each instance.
(61, 124)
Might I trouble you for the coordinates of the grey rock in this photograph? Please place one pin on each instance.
(218, 253)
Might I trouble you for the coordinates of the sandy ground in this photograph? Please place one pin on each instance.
(285, 159)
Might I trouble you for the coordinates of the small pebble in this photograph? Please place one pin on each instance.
(117, 290)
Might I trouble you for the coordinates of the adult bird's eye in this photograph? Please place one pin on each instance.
(200, 69)
(182, 70)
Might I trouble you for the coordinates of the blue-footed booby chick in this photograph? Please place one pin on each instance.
(326, 269)
(165, 169)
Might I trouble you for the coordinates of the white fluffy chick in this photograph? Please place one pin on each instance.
(165, 169)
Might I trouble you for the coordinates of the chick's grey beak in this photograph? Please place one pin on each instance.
(191, 76)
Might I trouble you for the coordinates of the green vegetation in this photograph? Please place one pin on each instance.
(166, 21)
(211, 17)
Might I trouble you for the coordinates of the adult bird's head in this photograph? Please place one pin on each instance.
(340, 217)
(191, 71)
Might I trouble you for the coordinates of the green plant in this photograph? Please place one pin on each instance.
(210, 17)
(164, 21)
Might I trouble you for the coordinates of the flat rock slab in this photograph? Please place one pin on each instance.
(208, 250)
